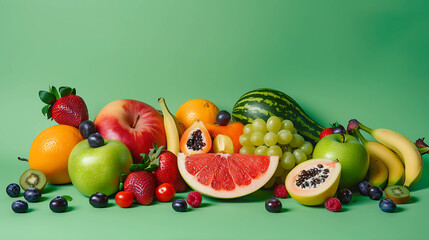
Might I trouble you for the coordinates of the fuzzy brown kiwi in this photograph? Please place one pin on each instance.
(399, 194)
(32, 178)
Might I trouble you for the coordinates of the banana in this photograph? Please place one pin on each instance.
(378, 152)
(377, 173)
(407, 151)
(172, 128)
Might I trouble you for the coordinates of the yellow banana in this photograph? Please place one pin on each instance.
(407, 151)
(379, 152)
(171, 128)
(377, 173)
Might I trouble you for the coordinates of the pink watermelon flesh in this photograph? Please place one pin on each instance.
(226, 175)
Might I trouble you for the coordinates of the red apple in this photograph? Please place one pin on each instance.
(136, 124)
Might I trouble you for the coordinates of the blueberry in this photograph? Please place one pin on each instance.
(98, 200)
(180, 205)
(339, 130)
(58, 204)
(87, 128)
(273, 205)
(344, 195)
(13, 190)
(95, 140)
(375, 193)
(364, 187)
(223, 118)
(387, 205)
(20, 206)
(32, 194)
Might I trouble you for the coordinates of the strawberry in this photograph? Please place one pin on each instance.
(65, 107)
(325, 132)
(141, 181)
(168, 172)
(142, 184)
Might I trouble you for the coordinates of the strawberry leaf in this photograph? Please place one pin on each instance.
(65, 91)
(45, 109)
(49, 113)
(67, 197)
(54, 91)
(47, 97)
(73, 91)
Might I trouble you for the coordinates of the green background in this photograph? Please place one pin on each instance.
(338, 59)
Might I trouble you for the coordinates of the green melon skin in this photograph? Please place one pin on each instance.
(264, 103)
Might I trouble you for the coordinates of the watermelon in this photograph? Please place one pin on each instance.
(226, 176)
(264, 103)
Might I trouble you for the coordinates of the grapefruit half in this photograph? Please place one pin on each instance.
(226, 176)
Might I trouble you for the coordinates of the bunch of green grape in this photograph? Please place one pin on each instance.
(276, 138)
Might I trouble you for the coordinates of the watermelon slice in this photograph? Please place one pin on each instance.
(222, 175)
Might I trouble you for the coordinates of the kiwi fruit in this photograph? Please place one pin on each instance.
(399, 194)
(32, 178)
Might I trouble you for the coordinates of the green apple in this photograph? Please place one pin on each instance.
(351, 154)
(98, 169)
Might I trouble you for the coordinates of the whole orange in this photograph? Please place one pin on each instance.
(50, 152)
(197, 109)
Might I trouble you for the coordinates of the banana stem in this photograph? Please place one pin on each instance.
(424, 150)
(356, 133)
(365, 128)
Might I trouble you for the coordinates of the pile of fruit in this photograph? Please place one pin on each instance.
(136, 154)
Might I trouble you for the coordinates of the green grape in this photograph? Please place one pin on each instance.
(287, 161)
(306, 147)
(247, 150)
(270, 182)
(279, 179)
(270, 139)
(288, 125)
(261, 150)
(284, 137)
(274, 124)
(297, 140)
(259, 125)
(279, 171)
(274, 151)
(295, 131)
(257, 138)
(299, 156)
(248, 129)
(245, 140)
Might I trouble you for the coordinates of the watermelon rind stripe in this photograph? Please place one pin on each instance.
(264, 103)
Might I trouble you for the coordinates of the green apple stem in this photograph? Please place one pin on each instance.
(135, 121)
(343, 138)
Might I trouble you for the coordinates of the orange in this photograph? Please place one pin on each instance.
(197, 109)
(233, 130)
(50, 152)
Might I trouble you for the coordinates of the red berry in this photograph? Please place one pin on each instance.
(280, 191)
(194, 199)
(333, 205)
(326, 132)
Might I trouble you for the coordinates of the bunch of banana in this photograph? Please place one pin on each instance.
(404, 164)
(173, 129)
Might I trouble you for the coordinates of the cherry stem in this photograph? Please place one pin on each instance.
(135, 121)
(22, 159)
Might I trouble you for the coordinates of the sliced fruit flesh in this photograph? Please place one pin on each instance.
(320, 192)
(226, 175)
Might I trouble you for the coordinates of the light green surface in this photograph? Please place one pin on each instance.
(338, 59)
